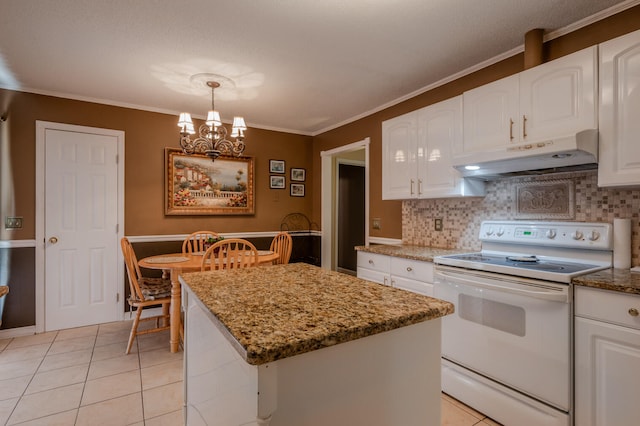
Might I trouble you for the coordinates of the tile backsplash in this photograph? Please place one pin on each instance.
(462, 216)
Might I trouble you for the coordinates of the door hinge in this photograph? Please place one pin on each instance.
(117, 297)
(117, 158)
(117, 228)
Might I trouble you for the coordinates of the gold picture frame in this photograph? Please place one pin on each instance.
(195, 185)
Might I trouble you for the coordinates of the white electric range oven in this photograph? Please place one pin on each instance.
(507, 349)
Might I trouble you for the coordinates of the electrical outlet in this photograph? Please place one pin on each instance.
(376, 223)
(12, 222)
(438, 224)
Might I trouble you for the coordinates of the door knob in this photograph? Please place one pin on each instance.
(53, 240)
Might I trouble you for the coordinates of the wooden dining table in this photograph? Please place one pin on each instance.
(178, 263)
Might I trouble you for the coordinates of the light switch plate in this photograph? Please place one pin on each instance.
(13, 222)
(376, 223)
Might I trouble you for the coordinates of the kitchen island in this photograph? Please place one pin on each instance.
(296, 345)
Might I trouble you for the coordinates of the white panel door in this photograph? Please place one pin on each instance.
(81, 240)
(619, 148)
(399, 148)
(558, 98)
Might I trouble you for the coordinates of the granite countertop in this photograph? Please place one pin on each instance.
(275, 312)
(407, 251)
(621, 280)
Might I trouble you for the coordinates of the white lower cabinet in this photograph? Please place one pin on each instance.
(607, 358)
(407, 274)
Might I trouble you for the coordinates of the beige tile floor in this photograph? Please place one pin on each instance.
(81, 376)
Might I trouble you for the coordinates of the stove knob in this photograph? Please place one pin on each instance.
(551, 233)
(594, 236)
(500, 232)
(577, 235)
(489, 232)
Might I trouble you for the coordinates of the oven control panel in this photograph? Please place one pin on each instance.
(590, 235)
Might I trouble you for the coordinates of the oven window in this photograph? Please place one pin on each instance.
(498, 315)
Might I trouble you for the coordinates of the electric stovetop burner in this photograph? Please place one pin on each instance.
(511, 264)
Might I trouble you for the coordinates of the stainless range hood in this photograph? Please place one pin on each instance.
(575, 152)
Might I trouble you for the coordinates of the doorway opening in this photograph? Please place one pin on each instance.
(355, 154)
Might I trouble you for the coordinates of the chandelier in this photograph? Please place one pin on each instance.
(212, 135)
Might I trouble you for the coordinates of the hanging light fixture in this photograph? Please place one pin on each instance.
(212, 136)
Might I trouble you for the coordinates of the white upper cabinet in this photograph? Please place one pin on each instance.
(399, 162)
(417, 151)
(619, 147)
(559, 98)
(491, 116)
(552, 100)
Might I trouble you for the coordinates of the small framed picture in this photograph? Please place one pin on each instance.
(297, 189)
(276, 166)
(276, 182)
(298, 174)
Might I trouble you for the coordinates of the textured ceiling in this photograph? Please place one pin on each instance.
(295, 65)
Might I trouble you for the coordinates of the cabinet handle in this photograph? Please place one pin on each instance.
(409, 269)
(524, 126)
(511, 128)
(419, 186)
(370, 262)
(633, 312)
(393, 283)
(412, 182)
(385, 281)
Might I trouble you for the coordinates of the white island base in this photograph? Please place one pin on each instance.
(387, 379)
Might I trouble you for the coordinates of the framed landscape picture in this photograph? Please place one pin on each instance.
(276, 166)
(195, 185)
(298, 174)
(297, 190)
(276, 182)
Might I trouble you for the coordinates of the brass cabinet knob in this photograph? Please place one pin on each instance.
(53, 240)
(633, 312)
(409, 269)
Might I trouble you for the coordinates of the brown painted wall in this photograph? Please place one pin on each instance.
(146, 136)
(371, 126)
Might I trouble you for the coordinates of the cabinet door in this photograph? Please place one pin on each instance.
(439, 135)
(399, 162)
(439, 129)
(559, 98)
(619, 149)
(490, 117)
(607, 374)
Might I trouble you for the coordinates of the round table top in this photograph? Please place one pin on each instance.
(191, 261)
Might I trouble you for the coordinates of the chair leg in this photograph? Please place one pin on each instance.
(134, 330)
(165, 312)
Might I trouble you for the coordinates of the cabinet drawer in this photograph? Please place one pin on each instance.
(375, 276)
(412, 269)
(377, 262)
(609, 306)
(419, 287)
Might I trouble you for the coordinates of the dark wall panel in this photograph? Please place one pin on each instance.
(18, 265)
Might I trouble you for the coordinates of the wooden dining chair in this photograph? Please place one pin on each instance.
(282, 244)
(145, 292)
(196, 241)
(4, 290)
(233, 253)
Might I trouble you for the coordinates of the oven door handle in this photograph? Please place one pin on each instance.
(550, 295)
